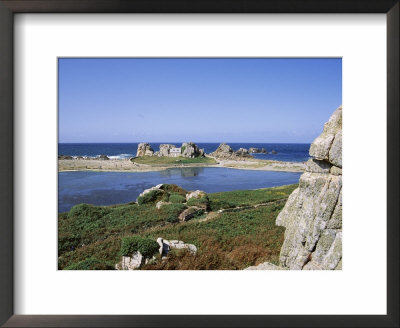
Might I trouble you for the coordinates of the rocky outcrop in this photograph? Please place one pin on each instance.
(312, 215)
(196, 194)
(242, 152)
(191, 150)
(144, 149)
(328, 146)
(225, 151)
(65, 157)
(265, 266)
(130, 262)
(257, 150)
(103, 157)
(190, 213)
(166, 245)
(165, 149)
(146, 191)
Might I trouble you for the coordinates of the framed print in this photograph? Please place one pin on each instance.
(192, 153)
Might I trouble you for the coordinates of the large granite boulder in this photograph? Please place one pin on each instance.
(165, 149)
(312, 215)
(144, 149)
(328, 146)
(191, 150)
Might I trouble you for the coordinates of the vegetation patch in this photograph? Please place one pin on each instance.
(91, 237)
(201, 202)
(177, 198)
(146, 246)
(231, 199)
(165, 161)
(150, 197)
(90, 263)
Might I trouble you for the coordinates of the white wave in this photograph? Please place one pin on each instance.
(121, 156)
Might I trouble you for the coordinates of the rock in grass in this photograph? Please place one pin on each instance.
(165, 246)
(161, 203)
(190, 213)
(196, 194)
(130, 262)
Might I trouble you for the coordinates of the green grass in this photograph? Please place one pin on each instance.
(90, 237)
(146, 246)
(231, 199)
(231, 241)
(155, 160)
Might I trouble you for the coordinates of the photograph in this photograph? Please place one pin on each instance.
(199, 163)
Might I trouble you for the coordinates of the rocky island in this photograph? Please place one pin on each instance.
(169, 155)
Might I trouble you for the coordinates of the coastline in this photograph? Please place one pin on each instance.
(125, 165)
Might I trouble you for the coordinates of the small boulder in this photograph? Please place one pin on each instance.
(65, 157)
(161, 203)
(103, 157)
(190, 213)
(164, 246)
(178, 244)
(196, 194)
(273, 152)
(130, 262)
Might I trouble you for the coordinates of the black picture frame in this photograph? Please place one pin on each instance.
(10, 7)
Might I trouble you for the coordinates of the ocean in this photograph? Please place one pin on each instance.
(289, 152)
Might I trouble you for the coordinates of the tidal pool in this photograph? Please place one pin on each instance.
(108, 188)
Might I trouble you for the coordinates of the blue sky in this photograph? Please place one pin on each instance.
(200, 100)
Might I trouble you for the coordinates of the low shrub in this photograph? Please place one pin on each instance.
(195, 213)
(247, 216)
(173, 209)
(177, 198)
(88, 212)
(150, 197)
(216, 205)
(172, 219)
(90, 263)
(146, 246)
(203, 202)
(173, 188)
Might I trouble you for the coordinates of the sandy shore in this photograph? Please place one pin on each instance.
(125, 165)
